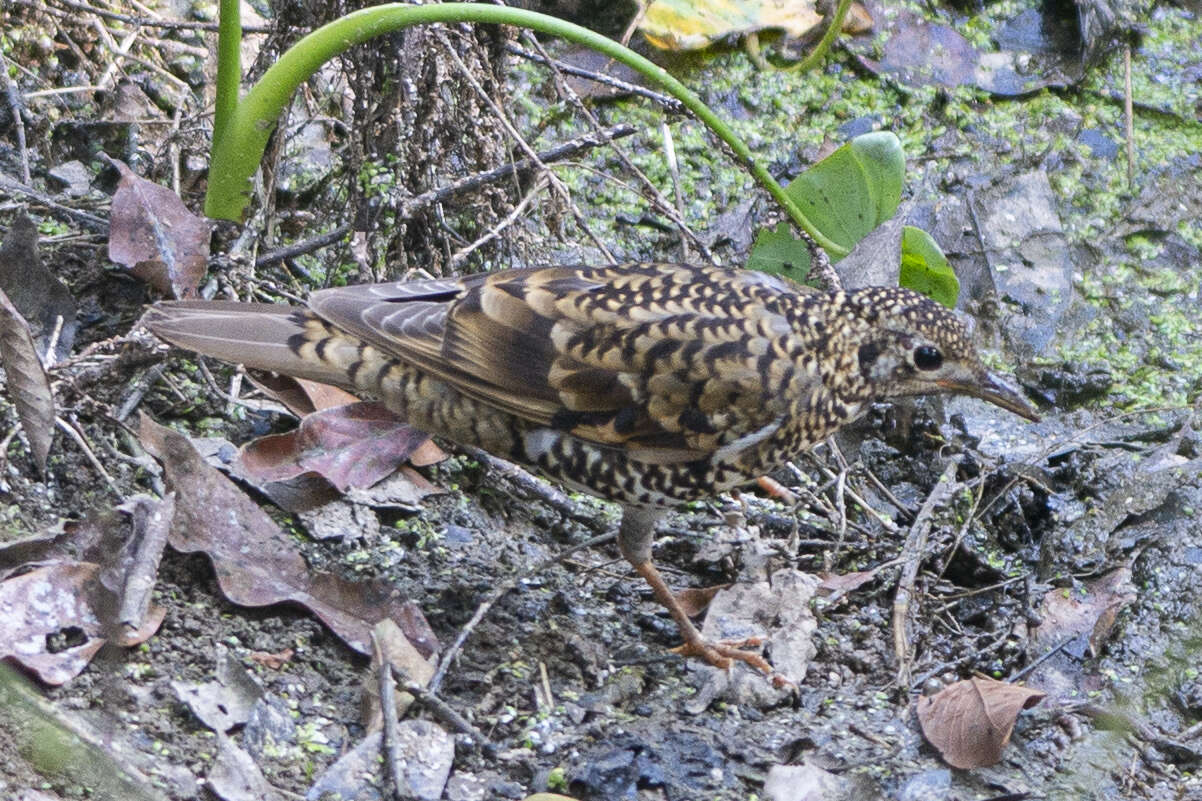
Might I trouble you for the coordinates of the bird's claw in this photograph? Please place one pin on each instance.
(723, 655)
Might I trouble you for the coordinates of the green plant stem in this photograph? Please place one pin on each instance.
(828, 39)
(229, 66)
(246, 129)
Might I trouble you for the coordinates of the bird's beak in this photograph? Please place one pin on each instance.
(990, 387)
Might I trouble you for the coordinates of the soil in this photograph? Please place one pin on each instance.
(567, 681)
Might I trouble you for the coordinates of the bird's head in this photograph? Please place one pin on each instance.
(911, 345)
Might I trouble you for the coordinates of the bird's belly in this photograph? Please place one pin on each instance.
(611, 473)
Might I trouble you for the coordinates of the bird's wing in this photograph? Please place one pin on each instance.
(670, 362)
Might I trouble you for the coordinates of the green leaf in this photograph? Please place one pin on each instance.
(854, 189)
(777, 251)
(845, 196)
(924, 268)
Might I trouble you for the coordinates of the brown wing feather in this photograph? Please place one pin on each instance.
(617, 356)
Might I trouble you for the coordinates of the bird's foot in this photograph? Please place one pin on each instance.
(724, 654)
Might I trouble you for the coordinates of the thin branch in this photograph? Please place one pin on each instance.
(126, 18)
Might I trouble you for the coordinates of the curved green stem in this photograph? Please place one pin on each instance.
(828, 38)
(229, 67)
(244, 133)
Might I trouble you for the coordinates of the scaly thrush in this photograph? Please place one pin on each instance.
(645, 384)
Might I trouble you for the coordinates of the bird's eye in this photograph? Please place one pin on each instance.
(927, 358)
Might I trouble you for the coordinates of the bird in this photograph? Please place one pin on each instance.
(647, 384)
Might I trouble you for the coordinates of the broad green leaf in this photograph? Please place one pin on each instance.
(845, 196)
(924, 268)
(854, 189)
(777, 251)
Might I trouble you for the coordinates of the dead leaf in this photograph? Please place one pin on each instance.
(1069, 613)
(300, 395)
(153, 234)
(273, 661)
(777, 611)
(214, 517)
(695, 24)
(27, 383)
(970, 722)
(50, 625)
(355, 445)
(226, 701)
(38, 294)
(694, 600)
(426, 454)
(234, 775)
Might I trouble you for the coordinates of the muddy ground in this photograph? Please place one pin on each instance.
(1065, 555)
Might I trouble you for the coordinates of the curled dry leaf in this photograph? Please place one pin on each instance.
(300, 395)
(153, 234)
(27, 383)
(694, 24)
(37, 293)
(355, 445)
(216, 518)
(970, 721)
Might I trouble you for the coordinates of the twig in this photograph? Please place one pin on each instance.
(410, 207)
(494, 231)
(386, 687)
(119, 50)
(13, 94)
(89, 221)
(444, 711)
(148, 21)
(1055, 649)
(303, 247)
(978, 232)
(556, 184)
(911, 556)
(76, 435)
(635, 21)
(60, 90)
(651, 191)
(670, 104)
(674, 171)
(137, 390)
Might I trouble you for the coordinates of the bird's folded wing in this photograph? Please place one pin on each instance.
(635, 359)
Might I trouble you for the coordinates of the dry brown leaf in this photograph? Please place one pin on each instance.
(38, 294)
(52, 624)
(214, 517)
(427, 454)
(153, 234)
(300, 395)
(27, 383)
(970, 722)
(355, 445)
(694, 600)
(1068, 613)
(273, 661)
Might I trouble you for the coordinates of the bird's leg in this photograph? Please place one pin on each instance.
(634, 540)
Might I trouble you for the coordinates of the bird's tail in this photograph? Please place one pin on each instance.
(259, 335)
